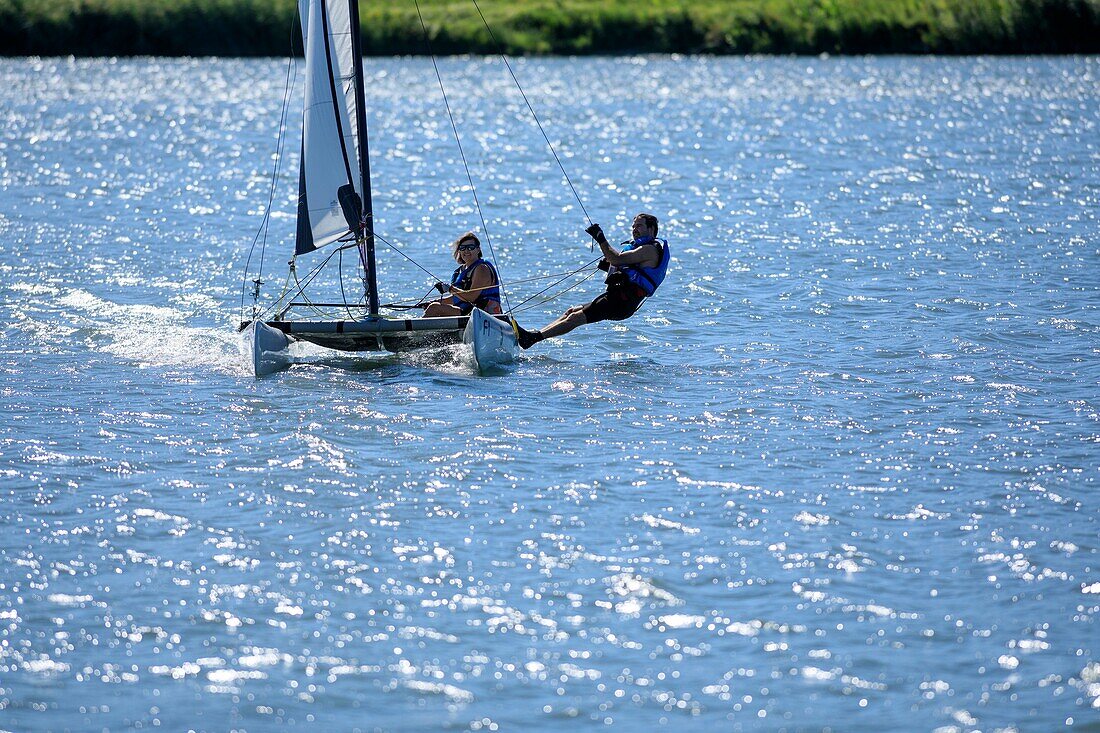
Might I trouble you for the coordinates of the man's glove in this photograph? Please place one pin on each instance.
(603, 265)
(440, 287)
(596, 233)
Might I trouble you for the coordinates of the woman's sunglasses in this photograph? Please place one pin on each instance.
(467, 247)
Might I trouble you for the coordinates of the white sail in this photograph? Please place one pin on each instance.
(329, 176)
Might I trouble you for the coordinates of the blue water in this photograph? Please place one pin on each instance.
(839, 474)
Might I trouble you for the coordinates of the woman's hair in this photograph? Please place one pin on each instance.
(467, 237)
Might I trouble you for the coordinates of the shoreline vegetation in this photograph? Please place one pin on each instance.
(562, 27)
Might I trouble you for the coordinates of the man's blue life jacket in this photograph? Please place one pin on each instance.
(646, 278)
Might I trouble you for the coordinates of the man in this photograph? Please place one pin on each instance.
(634, 274)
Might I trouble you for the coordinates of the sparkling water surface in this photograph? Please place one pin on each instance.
(837, 474)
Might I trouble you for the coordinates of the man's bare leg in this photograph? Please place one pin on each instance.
(572, 310)
(566, 322)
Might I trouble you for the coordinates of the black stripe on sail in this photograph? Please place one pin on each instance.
(303, 241)
(333, 90)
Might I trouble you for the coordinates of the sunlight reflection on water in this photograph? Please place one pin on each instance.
(837, 474)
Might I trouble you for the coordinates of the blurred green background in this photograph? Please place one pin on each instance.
(268, 27)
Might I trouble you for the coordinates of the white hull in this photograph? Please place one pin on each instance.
(493, 340)
(267, 348)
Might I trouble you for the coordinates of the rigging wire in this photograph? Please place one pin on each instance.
(266, 220)
(309, 278)
(291, 75)
(462, 154)
(500, 52)
(423, 269)
(580, 269)
(343, 295)
(555, 296)
(312, 275)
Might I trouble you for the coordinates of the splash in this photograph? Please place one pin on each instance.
(150, 336)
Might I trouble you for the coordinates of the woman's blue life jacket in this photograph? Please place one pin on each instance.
(489, 298)
(646, 278)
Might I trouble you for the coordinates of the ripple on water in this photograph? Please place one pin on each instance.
(842, 464)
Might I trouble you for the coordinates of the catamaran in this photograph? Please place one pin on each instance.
(335, 208)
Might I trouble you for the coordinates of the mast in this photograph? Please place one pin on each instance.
(365, 234)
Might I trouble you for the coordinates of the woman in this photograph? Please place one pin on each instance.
(474, 283)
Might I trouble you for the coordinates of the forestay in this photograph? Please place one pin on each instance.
(329, 195)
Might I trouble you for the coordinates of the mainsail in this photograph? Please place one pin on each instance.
(331, 178)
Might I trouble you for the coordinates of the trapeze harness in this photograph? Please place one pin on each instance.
(646, 279)
(488, 300)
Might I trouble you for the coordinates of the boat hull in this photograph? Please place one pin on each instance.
(267, 348)
(492, 339)
(376, 334)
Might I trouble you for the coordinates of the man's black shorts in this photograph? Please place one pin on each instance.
(617, 304)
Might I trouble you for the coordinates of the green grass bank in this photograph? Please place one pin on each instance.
(266, 27)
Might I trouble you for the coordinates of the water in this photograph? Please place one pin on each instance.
(839, 474)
